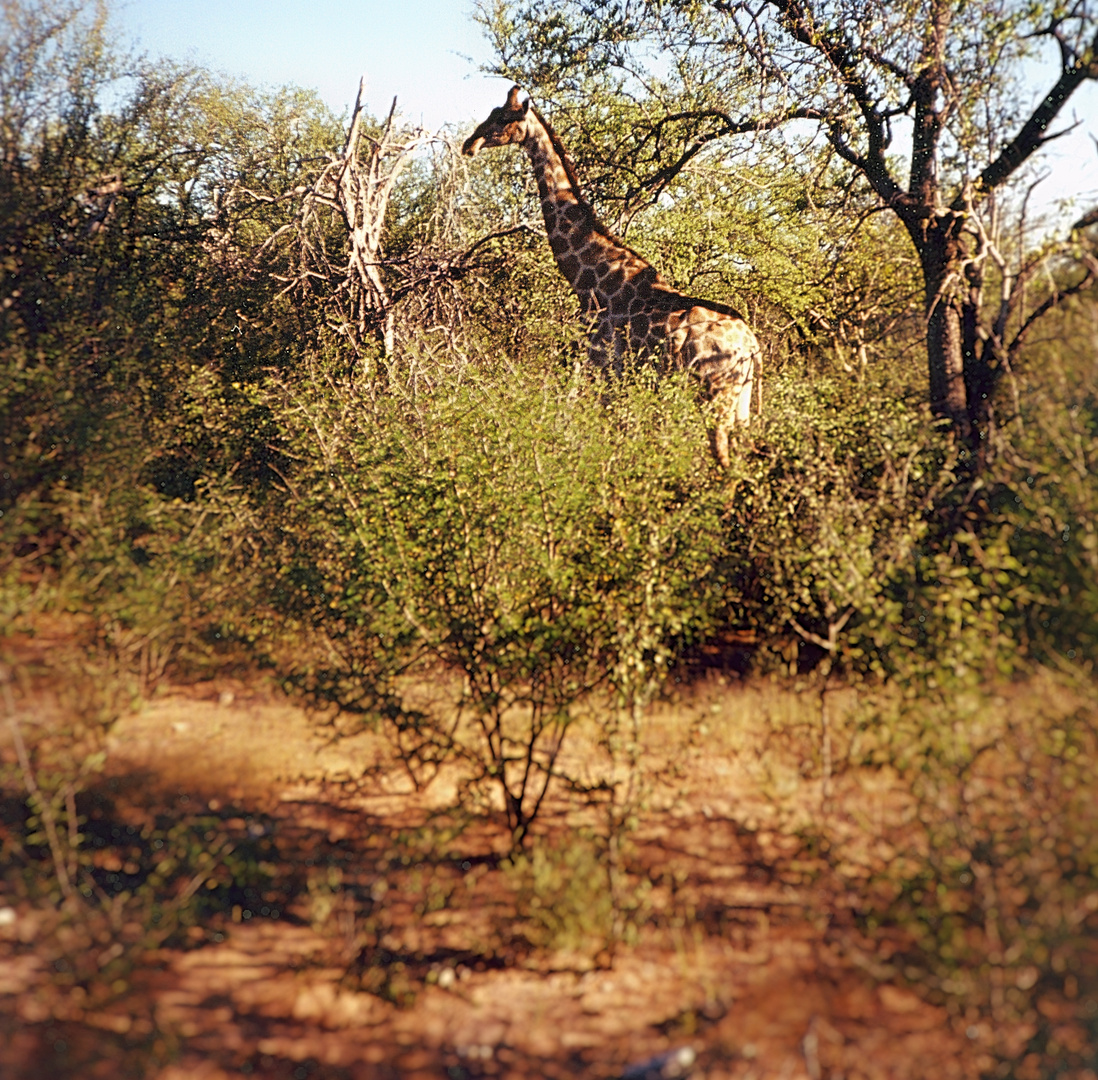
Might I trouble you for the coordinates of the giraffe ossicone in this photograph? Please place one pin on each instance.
(631, 306)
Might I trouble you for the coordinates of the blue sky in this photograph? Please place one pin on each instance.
(414, 49)
(428, 53)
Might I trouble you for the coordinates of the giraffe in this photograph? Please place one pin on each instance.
(631, 306)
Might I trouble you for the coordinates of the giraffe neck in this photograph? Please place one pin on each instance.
(582, 245)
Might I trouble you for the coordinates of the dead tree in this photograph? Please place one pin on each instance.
(356, 188)
(338, 236)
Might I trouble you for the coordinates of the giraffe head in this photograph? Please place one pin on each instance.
(504, 125)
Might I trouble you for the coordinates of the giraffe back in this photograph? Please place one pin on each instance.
(680, 333)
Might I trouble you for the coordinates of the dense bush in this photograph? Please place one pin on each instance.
(545, 535)
(541, 537)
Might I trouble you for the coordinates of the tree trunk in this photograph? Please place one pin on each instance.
(945, 355)
(981, 368)
(947, 342)
(963, 374)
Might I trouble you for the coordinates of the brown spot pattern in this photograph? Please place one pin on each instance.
(637, 308)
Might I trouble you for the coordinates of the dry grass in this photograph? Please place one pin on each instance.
(759, 908)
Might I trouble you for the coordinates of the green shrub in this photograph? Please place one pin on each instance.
(994, 886)
(540, 539)
(835, 482)
(569, 898)
(1045, 494)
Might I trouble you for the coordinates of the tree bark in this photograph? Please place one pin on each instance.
(935, 237)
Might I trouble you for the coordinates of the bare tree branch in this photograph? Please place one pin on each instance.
(659, 180)
(1032, 135)
(359, 191)
(1088, 280)
(801, 23)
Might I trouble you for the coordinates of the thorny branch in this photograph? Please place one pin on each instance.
(658, 181)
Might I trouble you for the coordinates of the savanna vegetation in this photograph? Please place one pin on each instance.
(291, 399)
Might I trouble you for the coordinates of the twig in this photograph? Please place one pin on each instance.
(830, 643)
(36, 796)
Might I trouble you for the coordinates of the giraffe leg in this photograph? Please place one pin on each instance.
(736, 405)
(742, 408)
(603, 348)
(719, 442)
(731, 407)
(724, 419)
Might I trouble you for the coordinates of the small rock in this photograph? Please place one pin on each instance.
(673, 1065)
(475, 1052)
(897, 999)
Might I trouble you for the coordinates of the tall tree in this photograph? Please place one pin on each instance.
(924, 100)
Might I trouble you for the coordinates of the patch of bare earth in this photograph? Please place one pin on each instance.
(744, 954)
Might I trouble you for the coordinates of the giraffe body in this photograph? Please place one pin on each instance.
(632, 308)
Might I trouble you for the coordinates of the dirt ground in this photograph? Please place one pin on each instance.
(745, 956)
